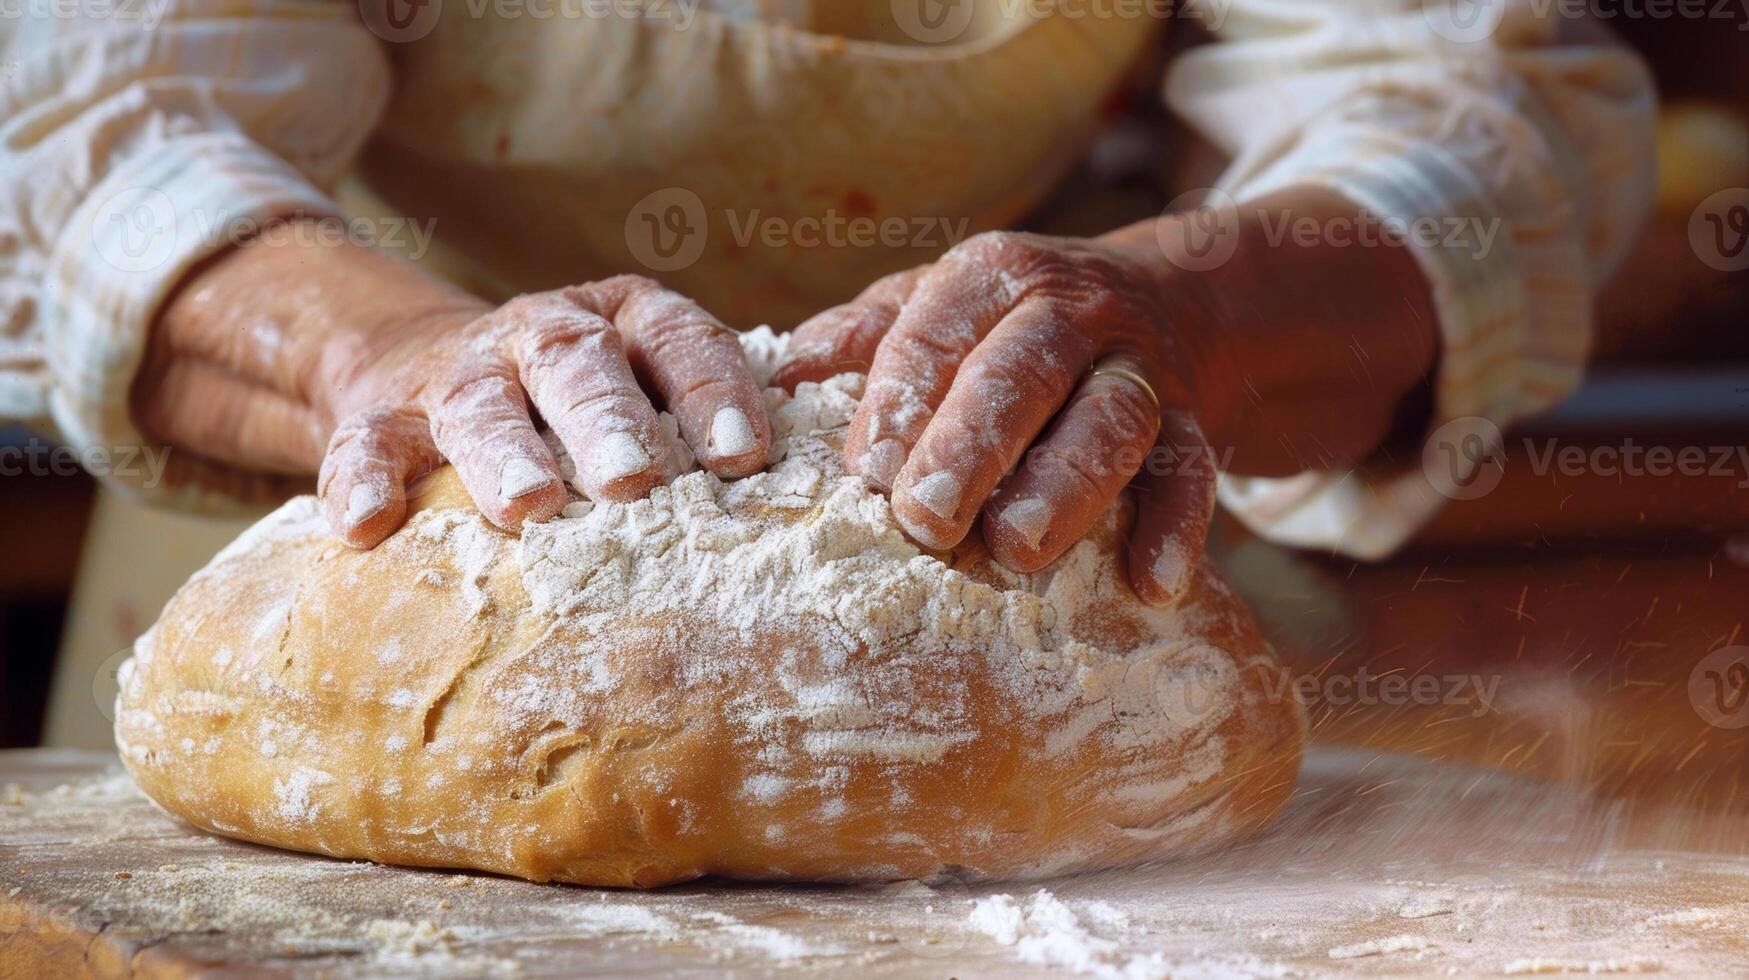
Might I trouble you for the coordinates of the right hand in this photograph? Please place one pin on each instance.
(295, 360)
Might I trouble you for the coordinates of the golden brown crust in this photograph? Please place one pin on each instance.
(397, 706)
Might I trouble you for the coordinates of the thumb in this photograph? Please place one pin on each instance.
(1175, 501)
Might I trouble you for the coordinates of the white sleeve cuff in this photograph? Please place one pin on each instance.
(122, 252)
(1514, 309)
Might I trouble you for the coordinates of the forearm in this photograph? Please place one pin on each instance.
(1305, 343)
(253, 359)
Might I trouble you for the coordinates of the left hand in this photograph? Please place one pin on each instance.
(1064, 356)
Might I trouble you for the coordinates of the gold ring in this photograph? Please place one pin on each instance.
(1120, 368)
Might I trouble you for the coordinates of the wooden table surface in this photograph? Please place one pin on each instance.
(1383, 864)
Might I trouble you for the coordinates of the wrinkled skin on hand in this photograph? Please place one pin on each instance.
(366, 370)
(1019, 383)
(991, 399)
(1022, 381)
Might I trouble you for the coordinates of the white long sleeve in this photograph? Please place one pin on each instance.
(131, 150)
(1538, 131)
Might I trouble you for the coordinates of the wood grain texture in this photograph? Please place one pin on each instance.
(1381, 864)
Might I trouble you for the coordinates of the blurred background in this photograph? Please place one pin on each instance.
(1592, 601)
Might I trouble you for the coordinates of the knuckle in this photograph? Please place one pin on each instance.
(1125, 411)
(995, 247)
(890, 290)
(629, 284)
(611, 295)
(473, 375)
(1024, 256)
(1108, 305)
(1066, 474)
(581, 415)
(572, 331)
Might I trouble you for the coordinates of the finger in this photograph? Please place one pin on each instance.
(575, 371)
(844, 338)
(697, 367)
(1072, 474)
(1006, 392)
(480, 423)
(1175, 501)
(954, 306)
(371, 458)
(193, 402)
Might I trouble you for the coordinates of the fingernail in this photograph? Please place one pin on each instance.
(520, 477)
(732, 434)
(1172, 569)
(880, 465)
(366, 501)
(616, 457)
(1030, 517)
(940, 492)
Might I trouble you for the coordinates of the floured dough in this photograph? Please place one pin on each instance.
(760, 679)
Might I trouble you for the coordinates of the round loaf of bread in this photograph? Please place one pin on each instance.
(760, 679)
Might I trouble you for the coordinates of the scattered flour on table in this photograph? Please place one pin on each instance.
(1381, 947)
(771, 943)
(1715, 917)
(1528, 967)
(1047, 932)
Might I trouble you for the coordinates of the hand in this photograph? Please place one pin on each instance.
(284, 359)
(1023, 381)
(1059, 355)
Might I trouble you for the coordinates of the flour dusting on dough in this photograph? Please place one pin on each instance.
(836, 665)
